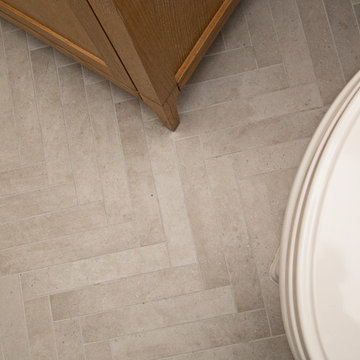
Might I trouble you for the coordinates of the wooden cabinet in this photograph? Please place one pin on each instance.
(148, 47)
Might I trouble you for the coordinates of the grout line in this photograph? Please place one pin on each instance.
(355, 15)
(81, 338)
(52, 327)
(65, 127)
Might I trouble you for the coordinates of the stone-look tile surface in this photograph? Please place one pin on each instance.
(122, 240)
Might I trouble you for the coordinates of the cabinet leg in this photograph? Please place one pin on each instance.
(167, 112)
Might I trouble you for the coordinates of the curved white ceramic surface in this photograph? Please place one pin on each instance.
(303, 271)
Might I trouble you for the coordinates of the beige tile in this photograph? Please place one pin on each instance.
(322, 49)
(267, 132)
(51, 116)
(13, 333)
(357, 12)
(139, 173)
(34, 43)
(146, 112)
(82, 273)
(26, 117)
(217, 46)
(65, 249)
(236, 112)
(61, 59)
(133, 290)
(241, 86)
(159, 314)
(270, 158)
(207, 235)
(198, 335)
(236, 246)
(16, 207)
(82, 151)
(109, 153)
(98, 351)
(91, 77)
(293, 46)
(235, 31)
(275, 348)
(224, 64)
(23, 179)
(44, 227)
(7, 26)
(9, 153)
(262, 32)
(68, 340)
(2, 356)
(41, 333)
(120, 95)
(346, 35)
(162, 152)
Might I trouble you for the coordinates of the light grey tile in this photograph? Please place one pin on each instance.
(83, 155)
(236, 246)
(70, 248)
(241, 86)
(61, 59)
(68, 340)
(224, 64)
(346, 35)
(34, 43)
(23, 179)
(235, 31)
(217, 46)
(198, 335)
(98, 351)
(159, 314)
(91, 77)
(19, 206)
(45, 227)
(120, 95)
(266, 132)
(292, 42)
(322, 49)
(207, 235)
(139, 173)
(270, 158)
(26, 117)
(7, 26)
(109, 153)
(262, 32)
(82, 273)
(162, 152)
(13, 331)
(133, 290)
(41, 334)
(51, 116)
(236, 112)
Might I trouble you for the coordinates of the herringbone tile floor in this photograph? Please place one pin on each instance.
(121, 240)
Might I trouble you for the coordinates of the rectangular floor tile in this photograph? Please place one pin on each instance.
(236, 246)
(48, 226)
(266, 132)
(96, 270)
(39, 325)
(120, 95)
(262, 33)
(68, 340)
(346, 37)
(236, 112)
(245, 85)
(109, 153)
(13, 333)
(51, 116)
(175, 219)
(292, 42)
(34, 43)
(65, 249)
(98, 351)
(326, 63)
(82, 151)
(16, 207)
(198, 335)
(23, 179)
(159, 314)
(133, 290)
(26, 117)
(139, 173)
(224, 64)
(207, 235)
